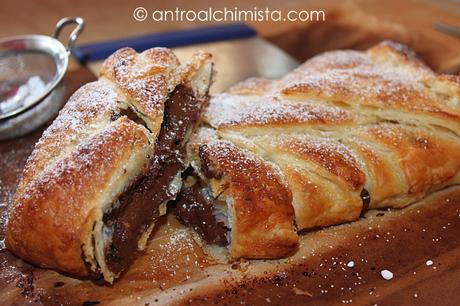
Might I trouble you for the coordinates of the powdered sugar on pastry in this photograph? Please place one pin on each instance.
(348, 130)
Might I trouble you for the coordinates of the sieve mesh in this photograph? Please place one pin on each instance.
(24, 77)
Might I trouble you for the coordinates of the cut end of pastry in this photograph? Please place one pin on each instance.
(232, 202)
(114, 159)
(126, 225)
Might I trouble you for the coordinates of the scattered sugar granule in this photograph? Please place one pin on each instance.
(386, 274)
(429, 263)
(351, 264)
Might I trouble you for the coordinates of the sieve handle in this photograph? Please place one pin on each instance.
(74, 35)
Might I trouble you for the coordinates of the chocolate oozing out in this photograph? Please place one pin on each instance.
(366, 198)
(195, 209)
(206, 165)
(138, 206)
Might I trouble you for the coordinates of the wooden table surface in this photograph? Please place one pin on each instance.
(406, 20)
(114, 19)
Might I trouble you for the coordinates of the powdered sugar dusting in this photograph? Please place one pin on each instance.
(246, 168)
(228, 110)
(147, 78)
(258, 193)
(364, 80)
(87, 112)
(330, 154)
(144, 81)
(236, 161)
(383, 97)
(126, 78)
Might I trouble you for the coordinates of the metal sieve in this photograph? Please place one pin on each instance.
(31, 72)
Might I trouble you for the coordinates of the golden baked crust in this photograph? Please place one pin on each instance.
(348, 130)
(91, 153)
(54, 212)
(323, 174)
(250, 115)
(259, 201)
(145, 80)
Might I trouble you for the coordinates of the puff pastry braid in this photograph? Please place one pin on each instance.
(102, 173)
(344, 132)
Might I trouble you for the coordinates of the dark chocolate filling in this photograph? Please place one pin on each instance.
(138, 206)
(366, 198)
(194, 208)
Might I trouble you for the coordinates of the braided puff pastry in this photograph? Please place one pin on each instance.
(344, 132)
(101, 174)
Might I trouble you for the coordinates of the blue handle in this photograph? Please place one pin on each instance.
(101, 50)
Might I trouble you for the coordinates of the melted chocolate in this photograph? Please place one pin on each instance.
(139, 205)
(194, 209)
(206, 166)
(366, 198)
